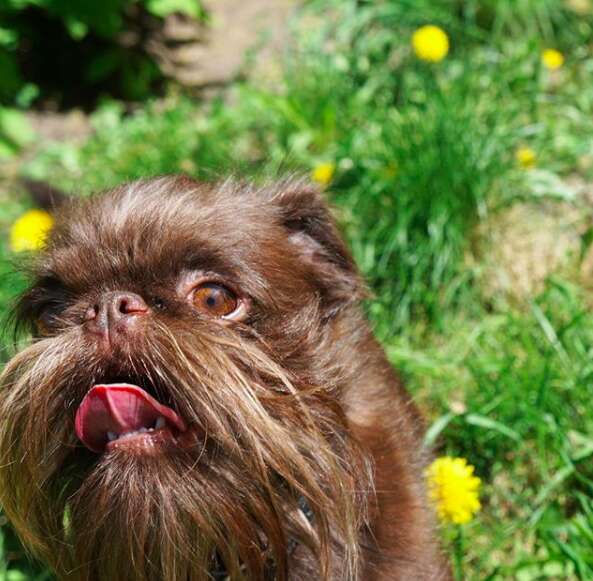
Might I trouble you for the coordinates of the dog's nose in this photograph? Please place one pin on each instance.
(115, 313)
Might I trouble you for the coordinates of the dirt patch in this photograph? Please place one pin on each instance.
(241, 39)
(204, 56)
(520, 247)
(53, 126)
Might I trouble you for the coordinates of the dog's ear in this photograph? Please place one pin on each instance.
(313, 231)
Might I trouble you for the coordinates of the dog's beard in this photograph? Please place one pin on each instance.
(269, 438)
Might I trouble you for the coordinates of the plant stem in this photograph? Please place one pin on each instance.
(458, 551)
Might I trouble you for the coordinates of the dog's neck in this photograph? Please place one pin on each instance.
(219, 572)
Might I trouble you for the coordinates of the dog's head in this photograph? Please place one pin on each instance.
(180, 402)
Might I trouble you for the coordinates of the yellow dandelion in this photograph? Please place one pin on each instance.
(323, 173)
(454, 489)
(30, 231)
(430, 43)
(581, 7)
(525, 157)
(552, 59)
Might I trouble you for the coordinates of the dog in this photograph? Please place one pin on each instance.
(203, 398)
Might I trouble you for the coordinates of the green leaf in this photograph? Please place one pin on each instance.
(21, 4)
(436, 428)
(163, 8)
(26, 95)
(15, 128)
(16, 576)
(7, 36)
(490, 424)
(76, 28)
(6, 150)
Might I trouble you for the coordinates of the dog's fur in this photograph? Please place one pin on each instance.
(297, 402)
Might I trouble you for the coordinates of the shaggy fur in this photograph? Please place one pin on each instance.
(296, 402)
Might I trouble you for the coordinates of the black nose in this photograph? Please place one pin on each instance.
(115, 313)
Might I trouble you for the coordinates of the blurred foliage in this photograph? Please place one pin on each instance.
(67, 49)
(512, 390)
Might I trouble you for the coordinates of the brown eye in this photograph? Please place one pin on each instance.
(215, 300)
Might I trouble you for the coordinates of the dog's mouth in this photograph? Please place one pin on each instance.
(125, 415)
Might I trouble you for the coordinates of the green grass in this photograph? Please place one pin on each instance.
(425, 166)
(511, 393)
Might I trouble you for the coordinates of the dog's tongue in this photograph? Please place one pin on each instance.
(119, 408)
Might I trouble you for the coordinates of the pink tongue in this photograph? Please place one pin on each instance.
(118, 408)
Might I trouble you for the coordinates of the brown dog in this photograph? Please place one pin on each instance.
(204, 398)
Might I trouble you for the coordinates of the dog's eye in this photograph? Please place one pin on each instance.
(215, 300)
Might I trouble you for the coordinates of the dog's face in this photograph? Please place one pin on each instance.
(180, 402)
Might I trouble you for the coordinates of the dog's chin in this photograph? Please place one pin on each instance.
(142, 505)
(220, 481)
(167, 515)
